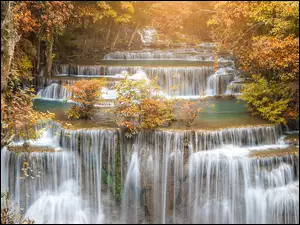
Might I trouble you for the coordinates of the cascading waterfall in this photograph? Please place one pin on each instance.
(86, 155)
(54, 91)
(62, 206)
(131, 194)
(218, 82)
(85, 70)
(113, 70)
(161, 174)
(252, 136)
(229, 187)
(186, 80)
(61, 69)
(174, 81)
(77, 70)
(158, 55)
(165, 176)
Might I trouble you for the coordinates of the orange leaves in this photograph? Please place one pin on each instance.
(30, 16)
(86, 93)
(279, 56)
(139, 108)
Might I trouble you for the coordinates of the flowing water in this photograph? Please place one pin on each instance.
(228, 168)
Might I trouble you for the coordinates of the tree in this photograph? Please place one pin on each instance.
(86, 94)
(264, 37)
(46, 18)
(9, 39)
(17, 114)
(140, 106)
(140, 17)
(189, 110)
(268, 99)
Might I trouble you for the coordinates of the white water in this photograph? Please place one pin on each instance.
(174, 81)
(147, 35)
(63, 206)
(165, 174)
(221, 191)
(158, 55)
(54, 91)
(218, 82)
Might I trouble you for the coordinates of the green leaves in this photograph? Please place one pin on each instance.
(266, 98)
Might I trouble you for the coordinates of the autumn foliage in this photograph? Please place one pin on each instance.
(17, 114)
(264, 38)
(139, 106)
(86, 94)
(189, 112)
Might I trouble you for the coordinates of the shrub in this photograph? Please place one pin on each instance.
(86, 94)
(140, 106)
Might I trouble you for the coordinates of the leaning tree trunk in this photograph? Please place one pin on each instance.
(9, 39)
(108, 34)
(49, 51)
(133, 35)
(116, 38)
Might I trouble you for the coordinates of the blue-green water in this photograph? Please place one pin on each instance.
(226, 113)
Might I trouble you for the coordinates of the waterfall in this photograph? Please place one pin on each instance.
(174, 81)
(147, 35)
(159, 55)
(161, 169)
(84, 157)
(159, 176)
(85, 70)
(64, 206)
(46, 170)
(252, 136)
(61, 69)
(186, 80)
(113, 70)
(77, 70)
(229, 187)
(54, 91)
(218, 82)
(131, 194)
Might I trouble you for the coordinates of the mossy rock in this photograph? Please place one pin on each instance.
(29, 149)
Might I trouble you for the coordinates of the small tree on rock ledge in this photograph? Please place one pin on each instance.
(86, 94)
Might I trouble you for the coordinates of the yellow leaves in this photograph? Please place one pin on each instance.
(86, 93)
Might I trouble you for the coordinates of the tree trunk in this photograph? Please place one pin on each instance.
(108, 34)
(133, 34)
(49, 51)
(116, 38)
(9, 39)
(38, 56)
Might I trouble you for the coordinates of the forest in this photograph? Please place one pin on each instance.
(137, 102)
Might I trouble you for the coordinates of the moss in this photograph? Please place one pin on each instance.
(275, 153)
(118, 178)
(113, 180)
(30, 149)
